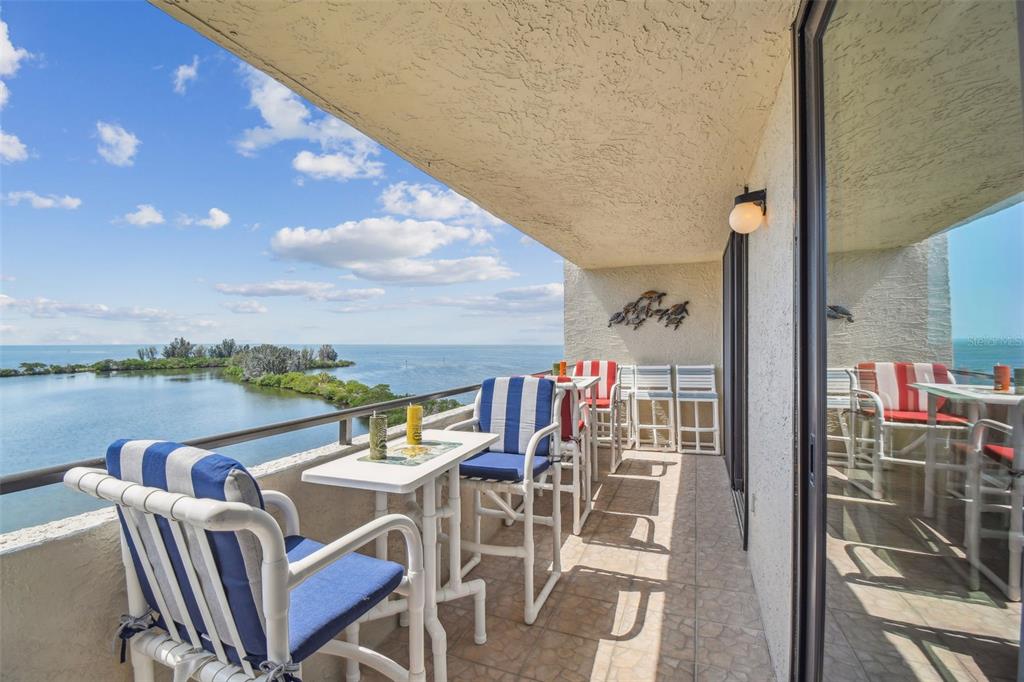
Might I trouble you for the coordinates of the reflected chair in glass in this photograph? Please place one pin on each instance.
(886, 404)
(218, 591)
(994, 487)
(839, 385)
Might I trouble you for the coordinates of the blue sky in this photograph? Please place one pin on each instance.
(153, 185)
(985, 261)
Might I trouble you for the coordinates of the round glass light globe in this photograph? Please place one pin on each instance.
(745, 217)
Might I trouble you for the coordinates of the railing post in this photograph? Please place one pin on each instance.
(344, 432)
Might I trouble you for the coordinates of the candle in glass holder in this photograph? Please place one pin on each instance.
(1018, 380)
(414, 424)
(561, 369)
(378, 436)
(555, 366)
(1002, 378)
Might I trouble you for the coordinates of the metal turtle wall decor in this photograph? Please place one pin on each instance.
(635, 313)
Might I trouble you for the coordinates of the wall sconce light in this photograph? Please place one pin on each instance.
(748, 213)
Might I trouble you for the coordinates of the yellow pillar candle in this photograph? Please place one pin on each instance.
(414, 424)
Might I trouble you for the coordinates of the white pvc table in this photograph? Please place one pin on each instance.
(385, 479)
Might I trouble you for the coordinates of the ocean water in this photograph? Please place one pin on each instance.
(52, 419)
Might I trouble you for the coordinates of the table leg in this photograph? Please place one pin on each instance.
(929, 459)
(1016, 539)
(456, 588)
(438, 638)
(380, 508)
(593, 435)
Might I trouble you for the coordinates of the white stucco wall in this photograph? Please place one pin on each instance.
(63, 587)
(770, 379)
(592, 296)
(900, 304)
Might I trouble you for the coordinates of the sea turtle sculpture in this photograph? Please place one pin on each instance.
(838, 312)
(673, 316)
(635, 313)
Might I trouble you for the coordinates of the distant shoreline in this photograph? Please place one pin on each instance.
(136, 365)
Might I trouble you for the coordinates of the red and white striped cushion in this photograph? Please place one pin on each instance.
(892, 382)
(608, 370)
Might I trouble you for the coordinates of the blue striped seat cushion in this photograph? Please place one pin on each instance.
(515, 408)
(335, 597)
(501, 466)
(199, 473)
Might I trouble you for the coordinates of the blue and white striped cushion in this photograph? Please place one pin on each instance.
(515, 408)
(199, 473)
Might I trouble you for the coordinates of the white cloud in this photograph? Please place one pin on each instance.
(10, 61)
(538, 298)
(11, 148)
(338, 166)
(370, 239)
(246, 307)
(46, 307)
(425, 272)
(117, 146)
(433, 202)
(145, 215)
(285, 117)
(10, 56)
(39, 201)
(184, 74)
(312, 291)
(215, 220)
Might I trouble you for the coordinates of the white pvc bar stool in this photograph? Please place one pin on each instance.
(654, 386)
(627, 385)
(695, 386)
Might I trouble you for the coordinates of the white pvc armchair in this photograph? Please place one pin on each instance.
(218, 592)
(524, 412)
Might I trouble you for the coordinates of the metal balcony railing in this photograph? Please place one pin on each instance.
(37, 478)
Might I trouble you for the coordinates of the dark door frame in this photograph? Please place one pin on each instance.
(809, 545)
(734, 374)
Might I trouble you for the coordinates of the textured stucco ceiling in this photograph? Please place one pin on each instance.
(923, 118)
(614, 133)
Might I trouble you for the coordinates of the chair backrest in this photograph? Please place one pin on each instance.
(891, 381)
(653, 378)
(172, 559)
(627, 379)
(515, 408)
(608, 370)
(695, 378)
(839, 381)
(570, 410)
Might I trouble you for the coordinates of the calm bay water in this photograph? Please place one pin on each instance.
(51, 419)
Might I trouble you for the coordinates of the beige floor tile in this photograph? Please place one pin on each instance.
(732, 648)
(560, 657)
(508, 644)
(728, 607)
(585, 616)
(624, 664)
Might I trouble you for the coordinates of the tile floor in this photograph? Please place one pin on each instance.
(656, 588)
(897, 597)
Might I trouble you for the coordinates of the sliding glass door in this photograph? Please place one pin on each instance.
(734, 371)
(912, 329)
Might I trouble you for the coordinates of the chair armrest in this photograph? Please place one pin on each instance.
(977, 437)
(535, 440)
(302, 569)
(873, 398)
(472, 422)
(283, 504)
